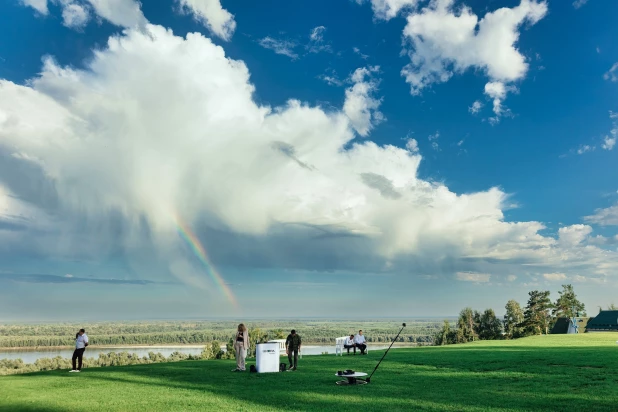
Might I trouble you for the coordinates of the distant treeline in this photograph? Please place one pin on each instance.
(538, 317)
(153, 333)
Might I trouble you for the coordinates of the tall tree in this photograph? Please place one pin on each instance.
(443, 336)
(513, 317)
(537, 316)
(256, 335)
(276, 334)
(489, 326)
(567, 304)
(467, 326)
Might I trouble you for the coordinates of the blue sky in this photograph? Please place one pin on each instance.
(436, 154)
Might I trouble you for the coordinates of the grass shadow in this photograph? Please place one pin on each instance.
(463, 378)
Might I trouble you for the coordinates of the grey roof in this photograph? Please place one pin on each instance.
(605, 320)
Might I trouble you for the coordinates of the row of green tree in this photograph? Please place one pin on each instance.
(536, 318)
(312, 333)
(415, 326)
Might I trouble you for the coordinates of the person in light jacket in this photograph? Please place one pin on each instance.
(241, 345)
(349, 344)
(359, 340)
(81, 341)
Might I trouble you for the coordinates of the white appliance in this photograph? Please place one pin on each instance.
(267, 357)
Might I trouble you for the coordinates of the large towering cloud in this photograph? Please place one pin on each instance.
(160, 127)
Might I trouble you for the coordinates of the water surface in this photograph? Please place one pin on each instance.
(31, 355)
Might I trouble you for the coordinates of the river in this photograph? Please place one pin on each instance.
(31, 355)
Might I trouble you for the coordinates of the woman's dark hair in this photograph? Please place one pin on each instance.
(77, 334)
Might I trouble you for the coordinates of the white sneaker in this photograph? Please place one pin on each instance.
(72, 370)
(77, 371)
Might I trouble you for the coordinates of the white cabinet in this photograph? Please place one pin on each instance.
(267, 357)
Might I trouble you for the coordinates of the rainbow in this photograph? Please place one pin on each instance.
(196, 246)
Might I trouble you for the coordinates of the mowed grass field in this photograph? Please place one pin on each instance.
(551, 373)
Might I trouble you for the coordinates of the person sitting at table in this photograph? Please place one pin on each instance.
(359, 340)
(349, 343)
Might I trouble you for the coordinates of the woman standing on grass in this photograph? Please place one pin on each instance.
(241, 345)
(81, 341)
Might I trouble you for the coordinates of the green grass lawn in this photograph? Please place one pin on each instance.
(559, 372)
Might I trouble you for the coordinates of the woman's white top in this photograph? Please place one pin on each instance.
(81, 341)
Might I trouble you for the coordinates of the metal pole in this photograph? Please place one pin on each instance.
(368, 380)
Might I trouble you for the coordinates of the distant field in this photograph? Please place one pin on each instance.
(556, 372)
(197, 332)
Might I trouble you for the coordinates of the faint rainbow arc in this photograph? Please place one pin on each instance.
(196, 246)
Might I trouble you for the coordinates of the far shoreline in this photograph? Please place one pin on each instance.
(176, 345)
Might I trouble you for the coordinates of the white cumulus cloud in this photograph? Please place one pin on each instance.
(473, 277)
(412, 145)
(445, 38)
(604, 217)
(585, 149)
(74, 16)
(317, 34)
(579, 3)
(611, 73)
(476, 106)
(317, 43)
(124, 13)
(573, 235)
(433, 139)
(360, 105)
(387, 9)
(610, 140)
(38, 5)
(497, 92)
(212, 15)
(554, 276)
(283, 47)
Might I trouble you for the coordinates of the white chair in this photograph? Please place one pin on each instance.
(281, 343)
(339, 345)
(339, 342)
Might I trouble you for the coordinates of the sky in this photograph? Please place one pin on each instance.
(370, 158)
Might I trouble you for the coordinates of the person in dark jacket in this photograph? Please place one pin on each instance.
(292, 347)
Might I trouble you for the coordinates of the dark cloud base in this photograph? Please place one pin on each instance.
(41, 278)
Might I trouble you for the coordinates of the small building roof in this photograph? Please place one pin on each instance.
(606, 320)
(562, 325)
